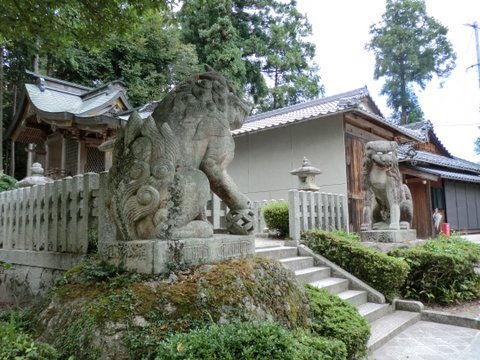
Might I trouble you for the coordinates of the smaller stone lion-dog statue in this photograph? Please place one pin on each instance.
(388, 202)
(165, 165)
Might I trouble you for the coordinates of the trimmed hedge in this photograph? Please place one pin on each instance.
(276, 216)
(7, 182)
(384, 273)
(441, 271)
(314, 347)
(338, 319)
(248, 341)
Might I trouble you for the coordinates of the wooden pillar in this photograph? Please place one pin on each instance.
(108, 160)
(82, 156)
(63, 161)
(12, 160)
(29, 159)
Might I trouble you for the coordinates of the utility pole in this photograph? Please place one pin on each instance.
(475, 28)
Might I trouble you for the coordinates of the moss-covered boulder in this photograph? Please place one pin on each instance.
(95, 314)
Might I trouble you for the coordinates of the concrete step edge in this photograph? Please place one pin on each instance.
(354, 297)
(279, 252)
(388, 326)
(332, 284)
(296, 258)
(311, 270)
(373, 311)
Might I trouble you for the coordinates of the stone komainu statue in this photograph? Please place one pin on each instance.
(388, 202)
(165, 165)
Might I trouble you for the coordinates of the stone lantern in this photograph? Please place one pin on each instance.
(36, 178)
(306, 176)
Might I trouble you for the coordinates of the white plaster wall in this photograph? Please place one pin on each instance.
(263, 160)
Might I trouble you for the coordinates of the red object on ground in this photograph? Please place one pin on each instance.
(446, 229)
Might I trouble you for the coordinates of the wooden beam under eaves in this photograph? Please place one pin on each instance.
(419, 174)
(368, 126)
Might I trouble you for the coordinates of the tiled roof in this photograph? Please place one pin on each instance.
(425, 130)
(444, 174)
(53, 100)
(443, 161)
(351, 100)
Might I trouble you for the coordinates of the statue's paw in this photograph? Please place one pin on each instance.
(394, 226)
(240, 222)
(194, 229)
(381, 225)
(365, 227)
(404, 225)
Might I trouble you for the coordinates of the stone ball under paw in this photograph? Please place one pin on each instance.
(240, 222)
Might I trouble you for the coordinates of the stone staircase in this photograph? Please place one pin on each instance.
(385, 321)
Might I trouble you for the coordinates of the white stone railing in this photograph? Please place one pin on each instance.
(55, 217)
(217, 210)
(316, 210)
(58, 218)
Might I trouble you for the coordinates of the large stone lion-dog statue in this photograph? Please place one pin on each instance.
(165, 165)
(388, 202)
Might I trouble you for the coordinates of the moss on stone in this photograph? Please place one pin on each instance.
(124, 314)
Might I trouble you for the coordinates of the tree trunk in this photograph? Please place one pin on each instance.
(49, 65)
(36, 59)
(274, 87)
(403, 113)
(2, 90)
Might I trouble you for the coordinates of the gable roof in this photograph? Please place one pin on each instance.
(445, 165)
(62, 103)
(357, 100)
(426, 132)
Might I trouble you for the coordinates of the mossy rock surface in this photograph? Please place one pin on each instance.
(122, 316)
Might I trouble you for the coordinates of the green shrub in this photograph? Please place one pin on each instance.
(441, 271)
(235, 341)
(276, 216)
(7, 182)
(384, 273)
(314, 347)
(345, 235)
(248, 341)
(16, 344)
(455, 245)
(338, 319)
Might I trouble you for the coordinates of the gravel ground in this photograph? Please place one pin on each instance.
(462, 309)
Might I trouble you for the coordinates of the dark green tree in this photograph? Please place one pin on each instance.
(217, 41)
(258, 45)
(150, 59)
(410, 47)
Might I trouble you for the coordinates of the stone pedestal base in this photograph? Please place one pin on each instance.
(389, 236)
(153, 256)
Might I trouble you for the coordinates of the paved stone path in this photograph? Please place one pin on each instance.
(431, 341)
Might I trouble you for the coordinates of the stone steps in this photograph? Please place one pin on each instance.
(385, 322)
(390, 325)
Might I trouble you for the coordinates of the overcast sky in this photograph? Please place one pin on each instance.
(341, 29)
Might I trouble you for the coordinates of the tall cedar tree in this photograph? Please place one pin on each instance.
(258, 45)
(409, 47)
